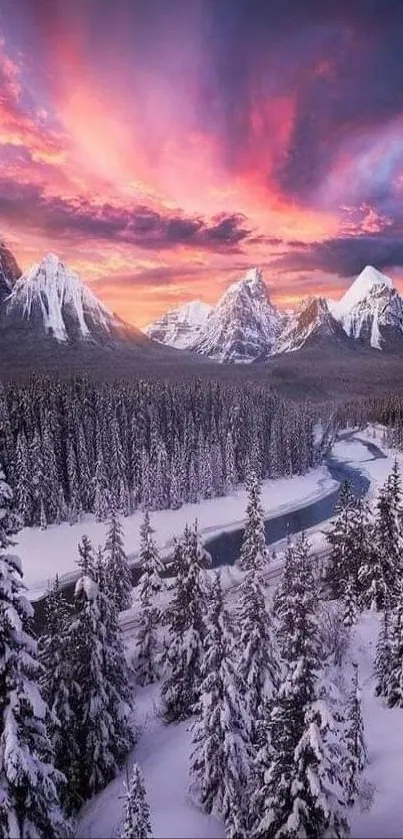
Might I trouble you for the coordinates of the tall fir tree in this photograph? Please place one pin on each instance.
(147, 660)
(117, 569)
(185, 619)
(29, 783)
(150, 563)
(253, 550)
(105, 738)
(220, 760)
(356, 756)
(58, 689)
(258, 654)
(86, 561)
(298, 787)
(137, 823)
(383, 655)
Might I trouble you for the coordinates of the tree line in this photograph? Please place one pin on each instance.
(73, 447)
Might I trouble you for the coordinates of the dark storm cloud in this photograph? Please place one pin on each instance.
(137, 225)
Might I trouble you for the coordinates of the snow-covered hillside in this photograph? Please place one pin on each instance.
(180, 327)
(54, 297)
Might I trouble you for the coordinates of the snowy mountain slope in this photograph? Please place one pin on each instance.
(243, 325)
(9, 271)
(311, 322)
(180, 327)
(371, 311)
(54, 300)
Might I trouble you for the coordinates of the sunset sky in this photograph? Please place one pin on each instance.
(162, 147)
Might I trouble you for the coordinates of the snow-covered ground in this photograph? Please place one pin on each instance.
(163, 750)
(45, 553)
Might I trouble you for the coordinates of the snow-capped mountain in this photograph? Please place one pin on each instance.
(243, 325)
(312, 322)
(9, 271)
(371, 310)
(180, 327)
(53, 300)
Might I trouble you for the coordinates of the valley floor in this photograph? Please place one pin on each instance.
(45, 553)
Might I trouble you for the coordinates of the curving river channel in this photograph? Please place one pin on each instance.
(224, 548)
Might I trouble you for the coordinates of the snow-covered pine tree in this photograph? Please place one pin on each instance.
(354, 739)
(102, 499)
(121, 700)
(185, 620)
(146, 660)
(117, 569)
(150, 562)
(86, 562)
(57, 688)
(386, 544)
(339, 538)
(220, 761)
(29, 783)
(94, 671)
(298, 790)
(137, 824)
(383, 655)
(373, 587)
(23, 489)
(349, 601)
(258, 654)
(253, 550)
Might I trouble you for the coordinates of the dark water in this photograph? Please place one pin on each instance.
(225, 548)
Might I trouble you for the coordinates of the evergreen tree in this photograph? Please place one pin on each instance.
(355, 742)
(86, 562)
(23, 489)
(258, 654)
(186, 629)
(104, 737)
(349, 603)
(383, 655)
(117, 569)
(150, 562)
(29, 783)
(298, 786)
(137, 823)
(341, 547)
(146, 659)
(219, 764)
(58, 690)
(253, 550)
(386, 544)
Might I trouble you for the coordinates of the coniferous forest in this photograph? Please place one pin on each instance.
(74, 447)
(259, 675)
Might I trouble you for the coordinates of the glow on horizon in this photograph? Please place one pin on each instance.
(160, 179)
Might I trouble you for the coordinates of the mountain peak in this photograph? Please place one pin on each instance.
(369, 278)
(54, 297)
(179, 327)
